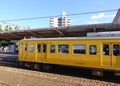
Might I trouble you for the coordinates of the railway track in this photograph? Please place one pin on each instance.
(9, 61)
(66, 71)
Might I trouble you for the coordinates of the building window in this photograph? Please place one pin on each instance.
(31, 48)
(79, 49)
(52, 48)
(63, 48)
(92, 49)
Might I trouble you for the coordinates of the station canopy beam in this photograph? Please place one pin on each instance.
(61, 33)
(34, 34)
(67, 31)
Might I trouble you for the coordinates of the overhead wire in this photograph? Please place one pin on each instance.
(74, 14)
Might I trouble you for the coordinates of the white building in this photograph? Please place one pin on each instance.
(61, 21)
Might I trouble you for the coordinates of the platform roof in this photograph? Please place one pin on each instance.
(69, 31)
(117, 17)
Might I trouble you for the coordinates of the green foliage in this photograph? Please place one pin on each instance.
(4, 42)
(8, 28)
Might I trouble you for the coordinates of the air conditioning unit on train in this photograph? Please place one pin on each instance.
(104, 34)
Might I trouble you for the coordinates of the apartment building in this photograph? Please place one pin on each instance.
(61, 21)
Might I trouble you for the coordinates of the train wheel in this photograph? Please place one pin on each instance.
(47, 67)
(97, 72)
(31, 66)
(38, 67)
(22, 64)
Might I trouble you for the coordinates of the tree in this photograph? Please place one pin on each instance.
(8, 28)
(4, 43)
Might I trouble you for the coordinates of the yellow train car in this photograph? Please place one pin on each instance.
(98, 53)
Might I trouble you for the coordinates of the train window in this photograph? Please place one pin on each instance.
(44, 48)
(79, 49)
(116, 50)
(52, 48)
(63, 48)
(106, 49)
(38, 48)
(31, 48)
(92, 49)
(26, 46)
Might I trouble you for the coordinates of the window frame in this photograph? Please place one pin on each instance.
(79, 52)
(95, 49)
(61, 51)
(117, 53)
(31, 48)
(51, 49)
(44, 48)
(25, 47)
(39, 48)
(105, 51)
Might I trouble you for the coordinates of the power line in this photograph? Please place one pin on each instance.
(92, 12)
(75, 14)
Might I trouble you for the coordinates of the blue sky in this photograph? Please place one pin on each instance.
(19, 9)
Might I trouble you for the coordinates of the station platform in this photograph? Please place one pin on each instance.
(8, 54)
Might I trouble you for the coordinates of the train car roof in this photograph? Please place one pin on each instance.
(71, 38)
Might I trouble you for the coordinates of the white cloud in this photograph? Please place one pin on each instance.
(97, 16)
(102, 15)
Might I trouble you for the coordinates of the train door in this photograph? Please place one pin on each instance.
(116, 54)
(31, 51)
(25, 51)
(44, 52)
(111, 54)
(41, 52)
(106, 54)
(20, 51)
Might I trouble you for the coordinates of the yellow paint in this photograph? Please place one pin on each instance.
(80, 60)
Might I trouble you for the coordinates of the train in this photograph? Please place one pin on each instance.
(99, 54)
